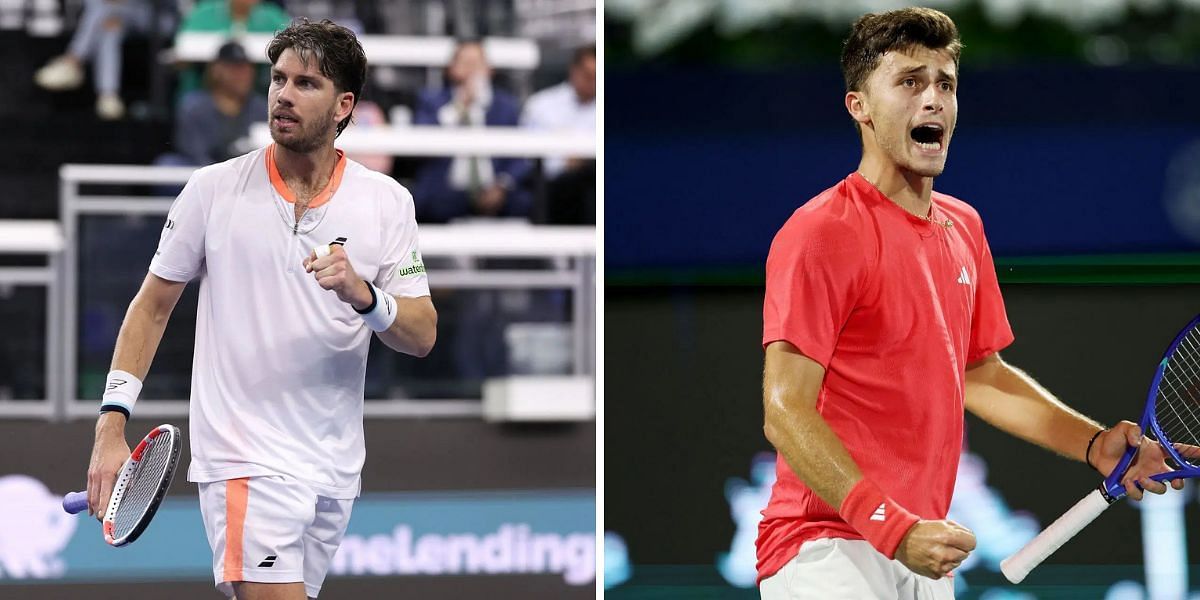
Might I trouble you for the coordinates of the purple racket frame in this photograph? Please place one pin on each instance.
(1112, 488)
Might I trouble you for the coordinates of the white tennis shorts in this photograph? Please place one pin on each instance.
(837, 569)
(271, 530)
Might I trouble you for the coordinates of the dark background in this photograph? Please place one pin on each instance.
(692, 419)
(699, 419)
(1082, 165)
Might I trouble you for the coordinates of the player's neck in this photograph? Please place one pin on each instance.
(910, 190)
(303, 171)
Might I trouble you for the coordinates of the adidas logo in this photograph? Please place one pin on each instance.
(963, 278)
(268, 562)
(880, 513)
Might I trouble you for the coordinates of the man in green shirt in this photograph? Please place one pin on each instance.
(232, 17)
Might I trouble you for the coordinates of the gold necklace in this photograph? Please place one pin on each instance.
(928, 219)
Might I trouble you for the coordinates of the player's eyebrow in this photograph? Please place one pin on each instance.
(942, 74)
(301, 76)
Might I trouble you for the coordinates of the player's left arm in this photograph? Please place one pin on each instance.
(414, 329)
(1012, 401)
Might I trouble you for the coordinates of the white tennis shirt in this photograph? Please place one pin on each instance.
(279, 364)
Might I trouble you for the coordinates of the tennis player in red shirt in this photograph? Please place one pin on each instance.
(882, 321)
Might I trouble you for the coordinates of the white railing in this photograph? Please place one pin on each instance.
(381, 50)
(425, 140)
(571, 251)
(45, 238)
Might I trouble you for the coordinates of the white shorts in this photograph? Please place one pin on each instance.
(271, 530)
(840, 569)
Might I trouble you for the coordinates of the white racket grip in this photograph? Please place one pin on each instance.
(322, 251)
(1017, 566)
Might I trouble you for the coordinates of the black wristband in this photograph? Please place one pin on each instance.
(370, 307)
(1087, 454)
(115, 408)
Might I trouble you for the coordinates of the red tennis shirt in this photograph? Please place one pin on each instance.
(894, 307)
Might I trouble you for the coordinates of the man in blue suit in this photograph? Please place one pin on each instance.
(448, 188)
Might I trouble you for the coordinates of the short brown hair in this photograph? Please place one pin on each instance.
(874, 35)
(336, 49)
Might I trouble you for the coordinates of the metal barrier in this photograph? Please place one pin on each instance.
(570, 249)
(381, 50)
(433, 140)
(36, 238)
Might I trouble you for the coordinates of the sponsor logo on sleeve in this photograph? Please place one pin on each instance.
(415, 266)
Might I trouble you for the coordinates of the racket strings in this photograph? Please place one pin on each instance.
(143, 485)
(1179, 397)
(1177, 406)
(1176, 416)
(1181, 378)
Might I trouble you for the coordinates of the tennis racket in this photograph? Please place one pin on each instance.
(1172, 417)
(140, 487)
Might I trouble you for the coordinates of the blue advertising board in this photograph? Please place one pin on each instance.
(390, 534)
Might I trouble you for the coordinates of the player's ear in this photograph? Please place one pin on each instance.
(858, 106)
(345, 106)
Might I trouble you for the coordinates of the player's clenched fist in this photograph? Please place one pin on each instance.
(335, 273)
(934, 548)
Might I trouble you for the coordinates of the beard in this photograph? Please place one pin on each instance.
(306, 137)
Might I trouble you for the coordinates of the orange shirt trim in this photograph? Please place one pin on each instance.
(326, 194)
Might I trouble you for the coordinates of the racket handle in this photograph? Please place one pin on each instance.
(1017, 566)
(75, 502)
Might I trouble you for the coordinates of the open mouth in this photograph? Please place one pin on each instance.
(928, 137)
(285, 120)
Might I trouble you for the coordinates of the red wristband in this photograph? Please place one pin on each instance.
(881, 521)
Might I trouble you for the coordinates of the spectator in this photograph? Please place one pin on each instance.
(448, 188)
(234, 18)
(570, 196)
(212, 124)
(369, 114)
(98, 39)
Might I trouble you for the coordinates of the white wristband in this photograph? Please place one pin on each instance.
(380, 315)
(121, 390)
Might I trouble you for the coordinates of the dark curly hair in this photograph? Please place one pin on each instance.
(336, 50)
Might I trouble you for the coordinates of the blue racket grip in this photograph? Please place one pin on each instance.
(75, 502)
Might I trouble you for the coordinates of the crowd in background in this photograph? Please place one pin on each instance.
(77, 105)
(214, 106)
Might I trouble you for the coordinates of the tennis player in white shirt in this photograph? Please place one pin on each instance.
(301, 255)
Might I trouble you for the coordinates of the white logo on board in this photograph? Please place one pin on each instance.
(35, 529)
(511, 548)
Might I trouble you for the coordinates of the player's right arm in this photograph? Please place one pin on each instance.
(791, 385)
(137, 343)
